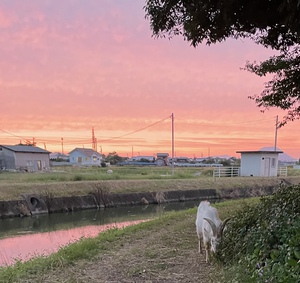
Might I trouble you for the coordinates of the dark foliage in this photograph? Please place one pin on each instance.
(113, 158)
(283, 91)
(273, 23)
(265, 239)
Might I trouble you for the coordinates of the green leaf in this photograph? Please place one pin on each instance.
(292, 262)
(297, 254)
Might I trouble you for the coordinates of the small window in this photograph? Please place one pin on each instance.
(273, 162)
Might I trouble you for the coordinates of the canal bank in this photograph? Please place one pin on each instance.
(31, 204)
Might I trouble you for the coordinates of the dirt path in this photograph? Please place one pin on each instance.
(164, 254)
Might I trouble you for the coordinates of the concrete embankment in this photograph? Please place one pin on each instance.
(30, 204)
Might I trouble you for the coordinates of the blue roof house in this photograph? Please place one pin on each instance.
(85, 157)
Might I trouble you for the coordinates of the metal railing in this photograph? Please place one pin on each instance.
(282, 171)
(226, 172)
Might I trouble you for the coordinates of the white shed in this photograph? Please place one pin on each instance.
(259, 163)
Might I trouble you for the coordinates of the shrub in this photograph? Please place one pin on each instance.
(78, 178)
(265, 239)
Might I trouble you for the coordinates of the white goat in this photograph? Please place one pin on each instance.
(209, 228)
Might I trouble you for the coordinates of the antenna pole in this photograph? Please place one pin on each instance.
(276, 129)
(62, 145)
(172, 116)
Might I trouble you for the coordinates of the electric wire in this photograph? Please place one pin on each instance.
(135, 131)
(82, 141)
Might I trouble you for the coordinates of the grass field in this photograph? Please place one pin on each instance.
(68, 181)
(72, 173)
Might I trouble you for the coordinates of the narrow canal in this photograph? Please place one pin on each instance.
(24, 238)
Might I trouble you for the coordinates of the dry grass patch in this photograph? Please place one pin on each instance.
(13, 191)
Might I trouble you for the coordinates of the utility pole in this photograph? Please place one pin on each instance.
(276, 129)
(62, 145)
(94, 140)
(172, 116)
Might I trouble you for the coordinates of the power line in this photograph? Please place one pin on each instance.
(229, 123)
(136, 130)
(14, 135)
(80, 141)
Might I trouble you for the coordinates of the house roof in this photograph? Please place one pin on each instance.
(86, 151)
(25, 148)
(260, 151)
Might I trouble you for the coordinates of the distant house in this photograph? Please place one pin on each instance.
(182, 159)
(141, 158)
(58, 156)
(260, 163)
(24, 157)
(85, 156)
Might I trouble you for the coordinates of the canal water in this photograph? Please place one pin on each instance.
(41, 235)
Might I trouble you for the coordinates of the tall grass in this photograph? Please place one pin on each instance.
(70, 174)
(65, 174)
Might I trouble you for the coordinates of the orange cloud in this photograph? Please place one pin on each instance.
(65, 69)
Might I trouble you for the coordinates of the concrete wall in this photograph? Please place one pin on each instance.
(35, 204)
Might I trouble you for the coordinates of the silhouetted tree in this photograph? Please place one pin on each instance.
(273, 23)
(113, 158)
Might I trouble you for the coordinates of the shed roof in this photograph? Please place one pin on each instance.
(260, 151)
(25, 148)
(86, 151)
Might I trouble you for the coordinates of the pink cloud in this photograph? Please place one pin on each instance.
(70, 68)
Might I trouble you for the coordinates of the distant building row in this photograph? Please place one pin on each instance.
(31, 158)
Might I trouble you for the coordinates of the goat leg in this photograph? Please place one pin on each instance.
(200, 246)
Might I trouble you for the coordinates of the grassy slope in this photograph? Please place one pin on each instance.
(66, 181)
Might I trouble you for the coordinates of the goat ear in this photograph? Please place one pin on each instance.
(212, 225)
(223, 224)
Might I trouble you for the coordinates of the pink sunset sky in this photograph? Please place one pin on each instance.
(69, 66)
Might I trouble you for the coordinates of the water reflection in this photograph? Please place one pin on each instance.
(28, 246)
(24, 238)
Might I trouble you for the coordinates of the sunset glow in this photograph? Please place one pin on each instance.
(24, 247)
(69, 66)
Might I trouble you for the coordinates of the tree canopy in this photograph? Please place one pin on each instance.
(113, 158)
(272, 23)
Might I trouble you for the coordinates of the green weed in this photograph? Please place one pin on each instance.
(265, 239)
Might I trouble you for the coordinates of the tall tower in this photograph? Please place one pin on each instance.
(94, 140)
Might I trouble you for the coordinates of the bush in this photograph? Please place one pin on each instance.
(265, 239)
(78, 178)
